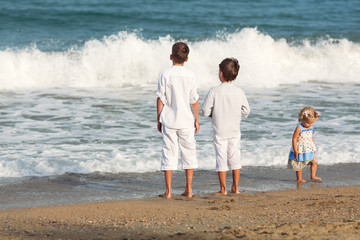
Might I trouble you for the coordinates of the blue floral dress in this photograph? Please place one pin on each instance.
(306, 148)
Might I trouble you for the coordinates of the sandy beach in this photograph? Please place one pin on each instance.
(319, 213)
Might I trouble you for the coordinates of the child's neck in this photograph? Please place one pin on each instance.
(224, 81)
(305, 127)
(178, 64)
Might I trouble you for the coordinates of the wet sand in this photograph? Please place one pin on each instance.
(319, 213)
(74, 188)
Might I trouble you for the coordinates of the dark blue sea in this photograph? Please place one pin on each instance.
(78, 81)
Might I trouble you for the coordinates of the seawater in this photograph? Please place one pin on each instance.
(55, 131)
(78, 82)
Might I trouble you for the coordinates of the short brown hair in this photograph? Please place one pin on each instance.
(230, 68)
(180, 52)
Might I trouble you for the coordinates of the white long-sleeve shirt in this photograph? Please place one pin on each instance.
(177, 91)
(227, 104)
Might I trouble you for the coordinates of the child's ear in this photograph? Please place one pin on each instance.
(221, 76)
(171, 57)
(187, 58)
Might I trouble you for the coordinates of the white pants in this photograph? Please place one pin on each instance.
(227, 153)
(172, 140)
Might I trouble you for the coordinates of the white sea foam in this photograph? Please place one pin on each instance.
(126, 59)
(75, 112)
(54, 131)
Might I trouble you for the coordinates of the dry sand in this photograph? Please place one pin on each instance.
(324, 213)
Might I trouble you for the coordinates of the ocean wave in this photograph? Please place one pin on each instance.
(126, 59)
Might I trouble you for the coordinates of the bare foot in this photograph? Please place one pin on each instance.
(301, 180)
(315, 179)
(221, 193)
(185, 194)
(167, 196)
(234, 190)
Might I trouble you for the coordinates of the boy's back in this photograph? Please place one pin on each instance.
(227, 104)
(177, 90)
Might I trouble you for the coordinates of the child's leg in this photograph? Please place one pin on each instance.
(221, 162)
(189, 178)
(313, 169)
(222, 181)
(187, 145)
(169, 157)
(234, 162)
(236, 178)
(168, 190)
(299, 176)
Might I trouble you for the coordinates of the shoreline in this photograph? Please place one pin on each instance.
(74, 188)
(321, 213)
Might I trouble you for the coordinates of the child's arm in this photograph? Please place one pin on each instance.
(245, 108)
(294, 141)
(208, 105)
(195, 108)
(159, 106)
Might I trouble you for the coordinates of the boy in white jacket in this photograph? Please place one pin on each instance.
(226, 104)
(177, 91)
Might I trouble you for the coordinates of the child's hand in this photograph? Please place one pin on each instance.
(296, 153)
(197, 127)
(159, 126)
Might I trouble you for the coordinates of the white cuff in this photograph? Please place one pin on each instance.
(194, 99)
(162, 97)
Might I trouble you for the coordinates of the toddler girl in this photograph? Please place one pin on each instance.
(303, 145)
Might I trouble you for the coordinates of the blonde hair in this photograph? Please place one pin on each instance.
(308, 113)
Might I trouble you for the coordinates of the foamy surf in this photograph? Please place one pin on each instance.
(60, 130)
(126, 59)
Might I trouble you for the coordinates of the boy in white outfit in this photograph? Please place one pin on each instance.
(226, 104)
(176, 92)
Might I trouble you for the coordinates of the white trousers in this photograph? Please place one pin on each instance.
(227, 153)
(173, 139)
